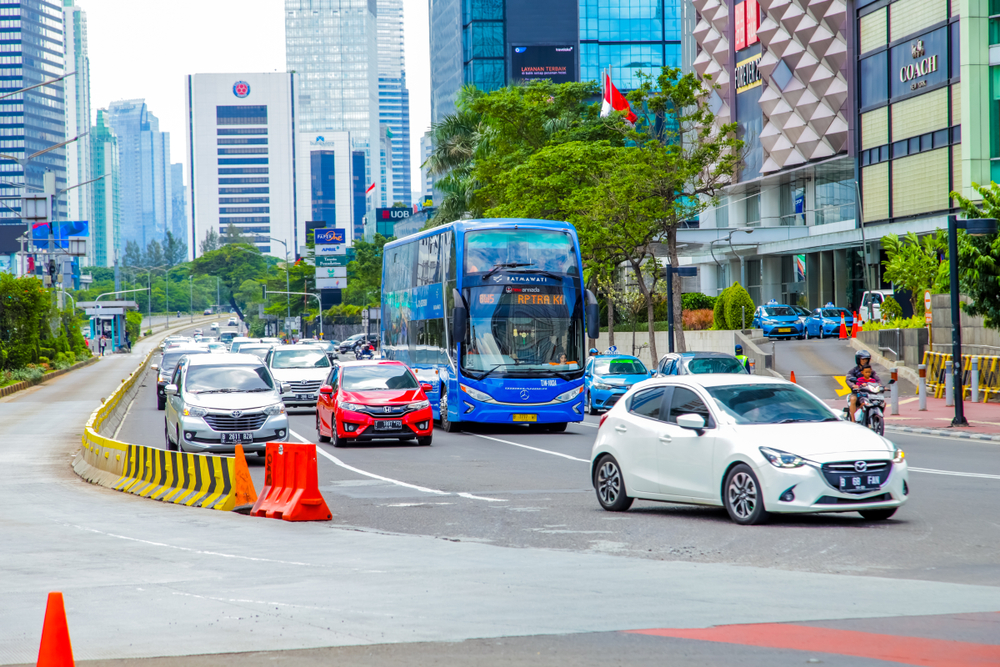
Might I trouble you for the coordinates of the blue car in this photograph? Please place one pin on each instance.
(778, 321)
(607, 378)
(826, 322)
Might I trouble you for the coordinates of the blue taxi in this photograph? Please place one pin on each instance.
(778, 321)
(825, 321)
(607, 377)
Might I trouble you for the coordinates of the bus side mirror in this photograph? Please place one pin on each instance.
(593, 315)
(460, 317)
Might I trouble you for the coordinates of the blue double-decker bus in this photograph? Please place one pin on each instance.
(491, 314)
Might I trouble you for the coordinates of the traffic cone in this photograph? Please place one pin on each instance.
(856, 327)
(55, 650)
(793, 378)
(843, 327)
(246, 494)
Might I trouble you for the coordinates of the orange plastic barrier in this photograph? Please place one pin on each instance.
(55, 650)
(291, 490)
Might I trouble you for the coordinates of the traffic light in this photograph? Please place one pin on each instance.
(52, 267)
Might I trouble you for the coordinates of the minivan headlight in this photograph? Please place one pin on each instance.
(195, 412)
(476, 394)
(569, 395)
(780, 459)
(276, 409)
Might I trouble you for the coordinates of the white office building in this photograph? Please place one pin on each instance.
(324, 184)
(241, 158)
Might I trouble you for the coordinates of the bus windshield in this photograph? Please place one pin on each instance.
(523, 330)
(527, 250)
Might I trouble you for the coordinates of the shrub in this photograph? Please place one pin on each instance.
(739, 307)
(60, 359)
(697, 301)
(697, 320)
(49, 352)
(43, 360)
(915, 322)
(891, 309)
(29, 374)
(719, 311)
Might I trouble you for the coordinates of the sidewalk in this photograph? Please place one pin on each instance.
(983, 418)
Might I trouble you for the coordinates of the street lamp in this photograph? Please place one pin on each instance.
(729, 239)
(288, 303)
(975, 227)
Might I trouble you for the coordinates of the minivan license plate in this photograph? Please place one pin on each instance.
(860, 482)
(388, 424)
(304, 397)
(236, 438)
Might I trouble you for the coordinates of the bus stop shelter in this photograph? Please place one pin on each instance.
(107, 318)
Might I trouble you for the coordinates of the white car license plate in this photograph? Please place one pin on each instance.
(236, 438)
(304, 397)
(860, 482)
(388, 424)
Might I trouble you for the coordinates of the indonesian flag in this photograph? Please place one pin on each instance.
(370, 188)
(615, 101)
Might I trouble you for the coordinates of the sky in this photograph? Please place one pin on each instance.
(144, 49)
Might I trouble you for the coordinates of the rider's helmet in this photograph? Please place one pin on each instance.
(739, 350)
(862, 354)
(593, 352)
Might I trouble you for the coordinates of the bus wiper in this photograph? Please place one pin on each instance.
(508, 265)
(483, 376)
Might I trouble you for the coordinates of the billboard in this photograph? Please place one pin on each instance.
(330, 236)
(331, 272)
(330, 249)
(326, 261)
(61, 230)
(330, 283)
(556, 63)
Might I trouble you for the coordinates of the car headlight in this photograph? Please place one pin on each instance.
(602, 386)
(195, 412)
(898, 455)
(276, 409)
(353, 407)
(769, 322)
(780, 459)
(420, 405)
(476, 394)
(569, 395)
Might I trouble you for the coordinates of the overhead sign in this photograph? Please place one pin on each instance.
(324, 261)
(328, 236)
(331, 272)
(556, 63)
(331, 283)
(331, 250)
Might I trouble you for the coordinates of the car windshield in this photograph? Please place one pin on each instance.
(170, 359)
(228, 379)
(701, 365)
(299, 359)
(376, 377)
(769, 404)
(520, 250)
(799, 310)
(619, 367)
(778, 311)
(835, 312)
(259, 351)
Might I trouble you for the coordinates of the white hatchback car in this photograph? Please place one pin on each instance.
(748, 443)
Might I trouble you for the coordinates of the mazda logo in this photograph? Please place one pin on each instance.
(525, 395)
(237, 413)
(860, 466)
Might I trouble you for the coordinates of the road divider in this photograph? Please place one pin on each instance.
(291, 484)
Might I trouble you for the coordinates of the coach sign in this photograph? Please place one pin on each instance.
(920, 63)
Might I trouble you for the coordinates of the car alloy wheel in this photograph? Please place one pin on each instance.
(589, 405)
(610, 485)
(743, 496)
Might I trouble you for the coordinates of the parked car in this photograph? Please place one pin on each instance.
(218, 401)
(302, 368)
(875, 298)
(778, 321)
(752, 444)
(826, 322)
(165, 368)
(801, 312)
(369, 400)
(698, 363)
(606, 378)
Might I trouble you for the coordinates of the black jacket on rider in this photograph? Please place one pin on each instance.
(855, 373)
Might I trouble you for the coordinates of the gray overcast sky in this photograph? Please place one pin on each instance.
(143, 49)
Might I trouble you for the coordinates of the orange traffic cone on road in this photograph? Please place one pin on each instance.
(55, 650)
(246, 494)
(843, 327)
(793, 378)
(856, 326)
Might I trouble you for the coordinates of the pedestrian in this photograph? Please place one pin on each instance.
(100, 342)
(128, 342)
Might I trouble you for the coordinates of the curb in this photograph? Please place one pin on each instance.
(942, 433)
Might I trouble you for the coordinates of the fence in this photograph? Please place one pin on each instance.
(906, 346)
(989, 374)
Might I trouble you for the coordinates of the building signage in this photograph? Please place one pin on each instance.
(919, 63)
(241, 89)
(746, 21)
(325, 261)
(331, 272)
(747, 74)
(393, 213)
(330, 249)
(330, 236)
(921, 67)
(556, 63)
(331, 283)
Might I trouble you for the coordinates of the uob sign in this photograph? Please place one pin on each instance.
(393, 213)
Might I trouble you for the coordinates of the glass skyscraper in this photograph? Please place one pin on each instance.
(105, 225)
(393, 96)
(32, 35)
(77, 89)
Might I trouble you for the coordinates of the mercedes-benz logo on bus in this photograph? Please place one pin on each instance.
(525, 395)
(860, 466)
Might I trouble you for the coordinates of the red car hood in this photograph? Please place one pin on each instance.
(384, 396)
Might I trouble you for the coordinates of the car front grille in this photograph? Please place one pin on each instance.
(613, 399)
(833, 471)
(831, 500)
(386, 410)
(250, 422)
(307, 387)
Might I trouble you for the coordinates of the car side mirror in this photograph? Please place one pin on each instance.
(426, 386)
(326, 390)
(170, 390)
(154, 367)
(593, 315)
(286, 387)
(691, 421)
(652, 373)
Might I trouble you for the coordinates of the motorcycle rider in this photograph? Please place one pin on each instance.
(742, 358)
(862, 360)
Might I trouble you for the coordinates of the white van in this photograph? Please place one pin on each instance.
(874, 298)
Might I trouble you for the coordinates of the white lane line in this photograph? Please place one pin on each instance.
(416, 487)
(931, 471)
(586, 424)
(516, 444)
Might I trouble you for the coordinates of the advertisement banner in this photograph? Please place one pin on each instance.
(556, 63)
(330, 236)
(61, 230)
(331, 283)
(324, 261)
(330, 250)
(331, 272)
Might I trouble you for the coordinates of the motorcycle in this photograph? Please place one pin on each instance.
(364, 352)
(870, 412)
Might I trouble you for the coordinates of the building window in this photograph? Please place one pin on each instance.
(244, 200)
(241, 140)
(874, 80)
(241, 130)
(243, 191)
(835, 192)
(241, 115)
(242, 181)
(752, 208)
(243, 160)
(249, 150)
(242, 210)
(722, 213)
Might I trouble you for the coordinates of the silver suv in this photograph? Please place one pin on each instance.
(217, 401)
(304, 368)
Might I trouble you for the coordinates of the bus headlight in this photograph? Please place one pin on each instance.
(569, 395)
(476, 394)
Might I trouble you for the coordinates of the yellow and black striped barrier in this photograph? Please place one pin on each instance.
(989, 374)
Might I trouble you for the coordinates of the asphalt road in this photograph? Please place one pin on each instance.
(487, 547)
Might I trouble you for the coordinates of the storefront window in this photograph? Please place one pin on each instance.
(874, 80)
(835, 192)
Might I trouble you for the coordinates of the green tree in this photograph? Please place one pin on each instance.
(912, 262)
(154, 255)
(233, 235)
(978, 256)
(719, 311)
(364, 273)
(174, 250)
(739, 307)
(210, 242)
(233, 265)
(132, 255)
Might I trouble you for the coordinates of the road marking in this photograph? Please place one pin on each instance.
(536, 449)
(978, 475)
(397, 482)
(586, 424)
(842, 381)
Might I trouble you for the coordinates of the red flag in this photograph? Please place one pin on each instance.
(370, 188)
(614, 100)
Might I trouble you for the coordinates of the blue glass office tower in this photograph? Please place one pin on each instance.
(31, 38)
(393, 95)
(629, 35)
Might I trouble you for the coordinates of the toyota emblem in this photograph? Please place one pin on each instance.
(525, 395)
(860, 466)
(237, 413)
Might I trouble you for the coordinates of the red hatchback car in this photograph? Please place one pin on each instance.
(370, 400)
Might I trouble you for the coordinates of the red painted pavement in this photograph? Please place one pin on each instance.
(892, 648)
(982, 417)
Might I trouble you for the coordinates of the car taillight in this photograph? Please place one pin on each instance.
(601, 423)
